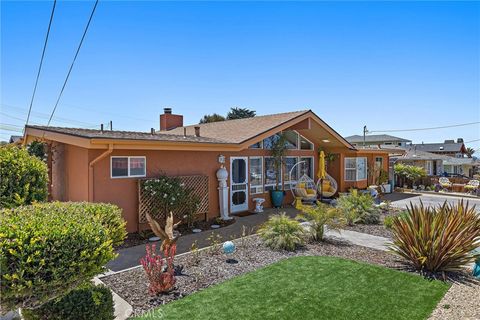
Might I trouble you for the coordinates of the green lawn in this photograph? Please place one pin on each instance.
(312, 288)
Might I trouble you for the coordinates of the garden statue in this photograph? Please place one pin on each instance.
(166, 234)
(229, 248)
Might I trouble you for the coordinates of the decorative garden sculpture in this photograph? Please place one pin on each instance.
(166, 234)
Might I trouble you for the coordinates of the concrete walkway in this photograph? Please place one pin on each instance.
(360, 239)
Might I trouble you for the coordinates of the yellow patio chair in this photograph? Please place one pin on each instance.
(472, 186)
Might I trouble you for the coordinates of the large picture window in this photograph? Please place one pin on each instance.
(270, 174)
(126, 167)
(355, 169)
(256, 175)
(306, 167)
(290, 162)
(291, 139)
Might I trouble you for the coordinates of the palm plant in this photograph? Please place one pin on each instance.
(278, 152)
(437, 239)
(320, 216)
(470, 152)
(281, 232)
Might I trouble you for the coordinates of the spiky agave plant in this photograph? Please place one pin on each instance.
(280, 232)
(437, 239)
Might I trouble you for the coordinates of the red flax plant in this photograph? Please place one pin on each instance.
(437, 239)
(159, 268)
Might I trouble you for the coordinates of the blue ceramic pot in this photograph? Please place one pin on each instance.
(277, 198)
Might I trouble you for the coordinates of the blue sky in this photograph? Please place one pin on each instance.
(387, 65)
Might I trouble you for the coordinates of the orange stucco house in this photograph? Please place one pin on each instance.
(104, 165)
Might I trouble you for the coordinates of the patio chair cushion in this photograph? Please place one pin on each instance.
(301, 192)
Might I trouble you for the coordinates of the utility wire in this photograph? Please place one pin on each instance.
(41, 61)
(472, 141)
(73, 62)
(431, 128)
(42, 115)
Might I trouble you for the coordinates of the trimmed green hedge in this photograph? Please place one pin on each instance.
(88, 302)
(23, 178)
(50, 248)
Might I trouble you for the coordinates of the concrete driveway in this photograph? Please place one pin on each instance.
(402, 200)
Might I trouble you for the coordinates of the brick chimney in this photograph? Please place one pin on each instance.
(169, 121)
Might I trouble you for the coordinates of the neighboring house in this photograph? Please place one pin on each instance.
(15, 139)
(463, 166)
(431, 162)
(448, 147)
(104, 166)
(377, 139)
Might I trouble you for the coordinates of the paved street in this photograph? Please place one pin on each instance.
(401, 200)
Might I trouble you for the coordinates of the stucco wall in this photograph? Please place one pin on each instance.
(76, 176)
(124, 191)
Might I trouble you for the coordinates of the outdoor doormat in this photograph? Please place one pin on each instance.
(245, 213)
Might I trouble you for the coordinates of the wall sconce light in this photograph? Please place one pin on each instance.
(221, 159)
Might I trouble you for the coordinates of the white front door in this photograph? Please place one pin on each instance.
(238, 184)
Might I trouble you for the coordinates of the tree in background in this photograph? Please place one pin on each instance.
(240, 113)
(470, 152)
(212, 118)
(38, 149)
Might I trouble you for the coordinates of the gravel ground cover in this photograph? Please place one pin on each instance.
(208, 267)
(461, 302)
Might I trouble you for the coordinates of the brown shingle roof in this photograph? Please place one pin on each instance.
(239, 130)
(127, 135)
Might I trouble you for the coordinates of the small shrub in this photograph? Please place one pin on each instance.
(88, 302)
(23, 178)
(437, 239)
(388, 222)
(358, 208)
(320, 216)
(159, 268)
(214, 241)
(50, 248)
(281, 232)
(172, 195)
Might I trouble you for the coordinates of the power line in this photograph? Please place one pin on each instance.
(73, 62)
(46, 116)
(472, 141)
(41, 61)
(431, 128)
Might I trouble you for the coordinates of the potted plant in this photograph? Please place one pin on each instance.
(278, 152)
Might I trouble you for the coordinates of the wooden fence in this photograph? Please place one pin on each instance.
(147, 203)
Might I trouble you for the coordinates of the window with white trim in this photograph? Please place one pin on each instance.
(355, 169)
(306, 167)
(128, 167)
(270, 174)
(289, 163)
(305, 144)
(256, 175)
(291, 139)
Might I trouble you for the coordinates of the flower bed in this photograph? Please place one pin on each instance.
(207, 267)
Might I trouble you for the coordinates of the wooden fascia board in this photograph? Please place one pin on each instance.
(307, 115)
(164, 145)
(33, 134)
